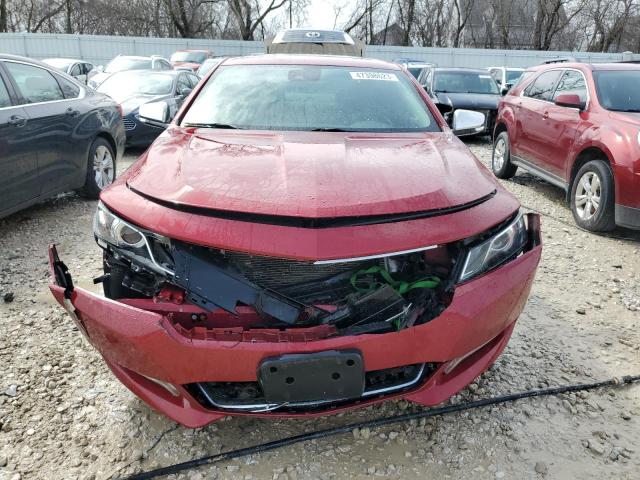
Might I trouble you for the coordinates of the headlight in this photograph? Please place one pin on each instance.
(506, 244)
(128, 239)
(114, 230)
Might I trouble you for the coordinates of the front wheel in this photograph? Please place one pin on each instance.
(592, 197)
(101, 168)
(501, 159)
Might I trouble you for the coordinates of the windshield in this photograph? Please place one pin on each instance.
(125, 84)
(513, 76)
(208, 65)
(119, 64)
(618, 90)
(309, 97)
(465, 82)
(193, 57)
(59, 63)
(415, 71)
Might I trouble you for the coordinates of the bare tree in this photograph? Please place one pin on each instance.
(248, 16)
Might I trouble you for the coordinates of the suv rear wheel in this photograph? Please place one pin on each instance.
(501, 158)
(592, 197)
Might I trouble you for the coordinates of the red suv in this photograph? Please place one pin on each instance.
(577, 126)
(307, 235)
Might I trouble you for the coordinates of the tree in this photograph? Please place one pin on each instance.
(248, 16)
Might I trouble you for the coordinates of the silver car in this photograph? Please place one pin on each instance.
(78, 69)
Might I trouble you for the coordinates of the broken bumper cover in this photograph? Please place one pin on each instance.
(172, 371)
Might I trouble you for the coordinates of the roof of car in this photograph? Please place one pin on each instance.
(7, 56)
(590, 66)
(192, 50)
(327, 60)
(481, 71)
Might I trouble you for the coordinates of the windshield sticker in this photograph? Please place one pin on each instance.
(388, 77)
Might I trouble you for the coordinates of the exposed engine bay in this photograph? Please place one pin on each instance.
(371, 295)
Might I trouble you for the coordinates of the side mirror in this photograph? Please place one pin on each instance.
(185, 91)
(504, 89)
(155, 114)
(468, 122)
(570, 100)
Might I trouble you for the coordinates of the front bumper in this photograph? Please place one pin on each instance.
(145, 349)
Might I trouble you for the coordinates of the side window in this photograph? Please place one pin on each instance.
(69, 89)
(572, 82)
(182, 83)
(75, 71)
(542, 87)
(495, 73)
(193, 79)
(35, 84)
(5, 101)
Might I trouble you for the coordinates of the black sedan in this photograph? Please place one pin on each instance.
(137, 87)
(463, 88)
(55, 135)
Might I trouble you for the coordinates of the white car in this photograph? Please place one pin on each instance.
(127, 62)
(78, 69)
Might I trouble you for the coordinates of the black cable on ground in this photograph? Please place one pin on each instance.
(305, 437)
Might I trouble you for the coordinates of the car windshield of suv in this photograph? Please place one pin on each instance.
(465, 82)
(618, 90)
(311, 98)
(513, 76)
(119, 64)
(126, 84)
(193, 57)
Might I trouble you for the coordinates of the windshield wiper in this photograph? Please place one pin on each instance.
(212, 125)
(330, 129)
(627, 110)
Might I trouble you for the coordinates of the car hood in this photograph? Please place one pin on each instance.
(310, 174)
(473, 101)
(131, 102)
(632, 118)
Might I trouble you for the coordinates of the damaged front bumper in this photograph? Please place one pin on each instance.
(197, 374)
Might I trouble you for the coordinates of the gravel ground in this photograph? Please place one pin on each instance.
(64, 416)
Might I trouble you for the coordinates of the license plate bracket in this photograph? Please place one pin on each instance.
(312, 377)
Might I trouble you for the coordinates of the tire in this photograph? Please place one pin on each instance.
(101, 168)
(593, 196)
(501, 157)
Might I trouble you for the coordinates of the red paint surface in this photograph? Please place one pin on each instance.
(147, 342)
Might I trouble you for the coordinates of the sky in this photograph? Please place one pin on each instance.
(321, 15)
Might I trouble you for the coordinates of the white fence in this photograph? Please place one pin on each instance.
(99, 49)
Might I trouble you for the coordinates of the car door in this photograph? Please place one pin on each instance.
(18, 156)
(52, 122)
(532, 127)
(183, 84)
(563, 123)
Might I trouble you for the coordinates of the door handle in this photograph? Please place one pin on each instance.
(17, 121)
(72, 112)
(545, 115)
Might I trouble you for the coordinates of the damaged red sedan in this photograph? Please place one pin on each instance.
(307, 236)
